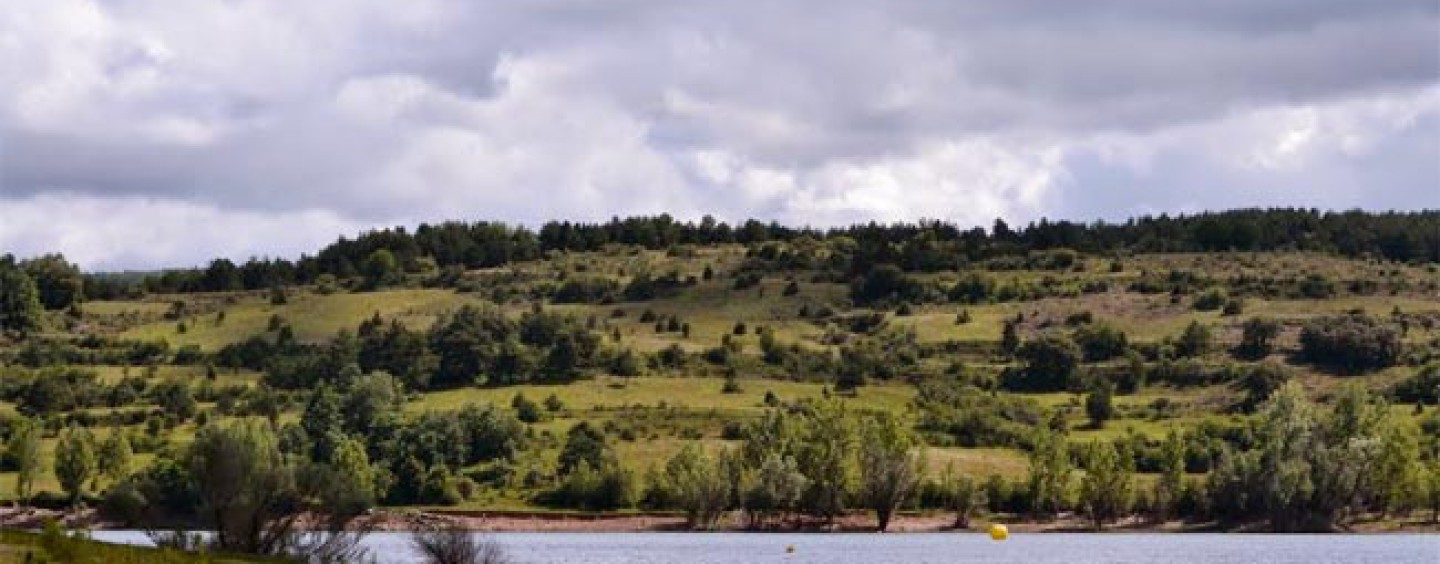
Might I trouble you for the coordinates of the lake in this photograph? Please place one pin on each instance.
(937, 548)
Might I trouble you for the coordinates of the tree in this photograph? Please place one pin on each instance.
(381, 269)
(1256, 338)
(323, 422)
(1050, 361)
(174, 398)
(1194, 340)
(825, 453)
(1101, 341)
(1259, 382)
(1010, 339)
(526, 409)
(1049, 472)
(370, 399)
(1098, 405)
(115, 457)
(24, 449)
(1432, 490)
(74, 461)
(776, 489)
(19, 299)
(251, 495)
(59, 283)
(583, 443)
(1172, 475)
(1105, 490)
(1399, 476)
(1421, 387)
(963, 495)
(891, 463)
(699, 486)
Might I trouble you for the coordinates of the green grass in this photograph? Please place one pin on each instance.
(693, 405)
(22, 546)
(313, 317)
(684, 393)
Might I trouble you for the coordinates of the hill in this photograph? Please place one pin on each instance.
(575, 370)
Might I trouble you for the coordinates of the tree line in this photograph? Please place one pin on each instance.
(920, 246)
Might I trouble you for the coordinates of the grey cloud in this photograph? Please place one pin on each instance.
(379, 112)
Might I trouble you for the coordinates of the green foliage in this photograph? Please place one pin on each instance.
(1194, 341)
(115, 457)
(884, 284)
(1305, 469)
(1050, 362)
(1050, 469)
(1099, 406)
(1257, 337)
(1421, 387)
(891, 463)
(825, 453)
(75, 461)
(475, 345)
(698, 486)
(963, 495)
(1211, 299)
(381, 269)
(583, 444)
(23, 449)
(20, 305)
(1101, 341)
(526, 409)
(1259, 382)
(775, 490)
(1352, 342)
(1106, 490)
(60, 284)
(970, 417)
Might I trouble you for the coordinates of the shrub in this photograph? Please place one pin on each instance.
(1421, 387)
(456, 545)
(1351, 343)
(1256, 338)
(1211, 300)
(1101, 341)
(1050, 362)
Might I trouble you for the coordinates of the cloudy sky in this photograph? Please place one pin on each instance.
(146, 133)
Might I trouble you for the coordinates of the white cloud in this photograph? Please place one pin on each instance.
(361, 113)
(133, 232)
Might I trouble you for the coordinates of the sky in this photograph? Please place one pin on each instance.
(138, 134)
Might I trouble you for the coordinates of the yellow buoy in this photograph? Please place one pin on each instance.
(999, 532)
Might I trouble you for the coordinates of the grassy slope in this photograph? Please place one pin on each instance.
(712, 308)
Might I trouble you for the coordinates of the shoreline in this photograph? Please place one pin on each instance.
(480, 521)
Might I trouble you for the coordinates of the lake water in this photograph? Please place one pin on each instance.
(937, 548)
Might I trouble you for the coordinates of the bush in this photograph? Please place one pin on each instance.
(1050, 362)
(1101, 341)
(1194, 341)
(456, 545)
(1256, 337)
(588, 290)
(1421, 387)
(1351, 343)
(1211, 300)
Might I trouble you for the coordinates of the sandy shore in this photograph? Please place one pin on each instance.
(520, 521)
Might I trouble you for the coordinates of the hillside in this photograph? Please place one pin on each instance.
(488, 371)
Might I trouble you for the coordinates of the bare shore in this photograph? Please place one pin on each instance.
(520, 521)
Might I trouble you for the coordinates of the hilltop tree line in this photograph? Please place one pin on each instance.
(924, 246)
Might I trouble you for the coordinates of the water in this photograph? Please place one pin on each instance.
(816, 548)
